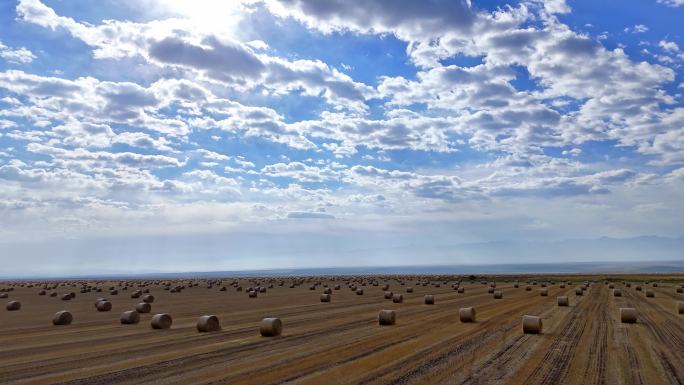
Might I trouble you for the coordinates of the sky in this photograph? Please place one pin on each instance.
(173, 135)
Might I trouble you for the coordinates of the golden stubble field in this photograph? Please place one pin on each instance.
(340, 342)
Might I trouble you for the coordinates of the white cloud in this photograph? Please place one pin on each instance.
(17, 55)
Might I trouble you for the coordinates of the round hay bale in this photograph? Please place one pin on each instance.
(4, 295)
(42, 292)
(253, 293)
(617, 293)
(409, 290)
(130, 317)
(148, 298)
(325, 297)
(385, 287)
(208, 323)
(579, 291)
(638, 288)
(103, 306)
(461, 290)
(143, 307)
(161, 321)
(398, 298)
(466, 314)
(359, 291)
(53, 294)
(429, 299)
(336, 287)
(490, 290)
(327, 290)
(528, 288)
(611, 286)
(562, 286)
(563, 300)
(388, 295)
(680, 289)
(680, 307)
(387, 317)
(531, 324)
(62, 318)
(544, 292)
(13, 305)
(650, 293)
(628, 315)
(66, 297)
(498, 294)
(271, 327)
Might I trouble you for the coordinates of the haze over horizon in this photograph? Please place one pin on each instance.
(257, 134)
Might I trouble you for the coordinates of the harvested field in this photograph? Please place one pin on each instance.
(341, 342)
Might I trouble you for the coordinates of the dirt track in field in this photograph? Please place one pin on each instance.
(341, 343)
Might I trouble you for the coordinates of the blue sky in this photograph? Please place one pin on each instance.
(269, 134)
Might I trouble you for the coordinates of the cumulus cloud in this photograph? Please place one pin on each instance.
(16, 55)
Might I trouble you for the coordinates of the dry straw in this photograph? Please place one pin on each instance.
(271, 327)
(62, 318)
(387, 317)
(161, 321)
(130, 317)
(13, 305)
(628, 315)
(208, 323)
(531, 324)
(466, 314)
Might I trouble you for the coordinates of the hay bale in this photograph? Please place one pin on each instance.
(252, 293)
(130, 317)
(680, 307)
(562, 286)
(13, 305)
(143, 307)
(66, 297)
(498, 294)
(161, 321)
(528, 288)
(387, 317)
(149, 298)
(42, 292)
(62, 318)
(650, 293)
(208, 323)
(103, 306)
(461, 290)
(680, 289)
(4, 295)
(617, 293)
(388, 295)
(466, 314)
(544, 292)
(563, 300)
(359, 291)
(490, 290)
(327, 290)
(325, 297)
(398, 298)
(628, 315)
(409, 290)
(515, 286)
(271, 327)
(638, 288)
(336, 287)
(579, 291)
(531, 324)
(429, 299)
